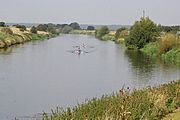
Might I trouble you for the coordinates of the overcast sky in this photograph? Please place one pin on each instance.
(166, 12)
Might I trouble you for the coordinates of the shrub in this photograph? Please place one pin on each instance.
(33, 30)
(151, 49)
(7, 30)
(142, 32)
(102, 32)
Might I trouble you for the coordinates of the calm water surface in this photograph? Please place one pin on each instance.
(41, 75)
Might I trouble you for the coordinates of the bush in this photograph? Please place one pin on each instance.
(151, 49)
(7, 30)
(142, 32)
(108, 37)
(102, 32)
(33, 30)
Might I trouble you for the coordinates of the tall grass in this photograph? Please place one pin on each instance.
(146, 104)
(168, 42)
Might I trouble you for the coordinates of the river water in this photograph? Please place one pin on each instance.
(41, 75)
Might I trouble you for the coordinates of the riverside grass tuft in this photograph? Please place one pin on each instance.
(152, 103)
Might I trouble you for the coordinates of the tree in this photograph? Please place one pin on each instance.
(66, 29)
(33, 29)
(75, 26)
(90, 28)
(102, 32)
(142, 32)
(42, 27)
(21, 27)
(2, 24)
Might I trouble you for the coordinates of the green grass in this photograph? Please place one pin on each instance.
(146, 104)
(38, 36)
(151, 49)
(172, 56)
(108, 37)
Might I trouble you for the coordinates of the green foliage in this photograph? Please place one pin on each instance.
(33, 30)
(101, 32)
(146, 104)
(172, 56)
(142, 32)
(108, 37)
(7, 30)
(151, 49)
(38, 36)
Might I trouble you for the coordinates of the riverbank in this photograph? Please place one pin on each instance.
(148, 103)
(11, 35)
(167, 48)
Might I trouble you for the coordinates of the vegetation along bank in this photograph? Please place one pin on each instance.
(146, 104)
(144, 35)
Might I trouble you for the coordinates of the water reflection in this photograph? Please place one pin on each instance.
(142, 63)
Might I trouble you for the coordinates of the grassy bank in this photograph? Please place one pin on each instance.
(12, 35)
(149, 103)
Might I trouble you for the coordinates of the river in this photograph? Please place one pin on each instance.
(38, 76)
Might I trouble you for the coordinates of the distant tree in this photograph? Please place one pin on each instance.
(75, 26)
(33, 29)
(2, 24)
(42, 27)
(21, 27)
(102, 32)
(90, 28)
(52, 30)
(142, 32)
(66, 29)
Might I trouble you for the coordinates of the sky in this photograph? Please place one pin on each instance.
(123, 12)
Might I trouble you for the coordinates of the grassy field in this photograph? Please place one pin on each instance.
(152, 103)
